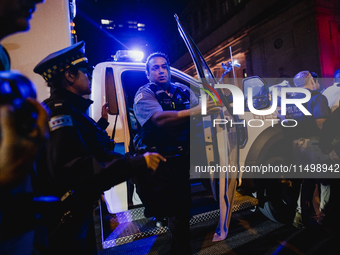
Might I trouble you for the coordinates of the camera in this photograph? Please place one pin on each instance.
(15, 88)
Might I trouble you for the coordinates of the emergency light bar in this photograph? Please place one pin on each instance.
(128, 56)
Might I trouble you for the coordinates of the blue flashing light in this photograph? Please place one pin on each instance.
(48, 199)
(129, 56)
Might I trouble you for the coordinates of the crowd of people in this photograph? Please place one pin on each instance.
(314, 141)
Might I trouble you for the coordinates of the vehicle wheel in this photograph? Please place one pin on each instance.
(278, 197)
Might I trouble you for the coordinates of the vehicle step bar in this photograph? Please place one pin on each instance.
(132, 225)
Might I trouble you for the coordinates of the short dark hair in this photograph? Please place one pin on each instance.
(153, 55)
(337, 75)
(314, 75)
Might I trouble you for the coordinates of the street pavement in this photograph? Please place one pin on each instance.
(249, 233)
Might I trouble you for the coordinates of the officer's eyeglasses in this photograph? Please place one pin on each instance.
(87, 70)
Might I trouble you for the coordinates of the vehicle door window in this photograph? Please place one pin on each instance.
(132, 81)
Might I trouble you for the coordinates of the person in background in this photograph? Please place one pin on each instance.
(332, 93)
(18, 150)
(305, 147)
(330, 145)
(78, 163)
(14, 17)
(22, 119)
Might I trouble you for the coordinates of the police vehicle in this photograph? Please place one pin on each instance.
(233, 146)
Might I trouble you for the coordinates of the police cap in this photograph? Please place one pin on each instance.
(59, 61)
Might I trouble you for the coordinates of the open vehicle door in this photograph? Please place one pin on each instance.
(214, 148)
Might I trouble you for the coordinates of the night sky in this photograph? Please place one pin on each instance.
(160, 26)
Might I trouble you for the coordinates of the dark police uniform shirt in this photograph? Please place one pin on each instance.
(167, 192)
(77, 153)
(146, 104)
(317, 106)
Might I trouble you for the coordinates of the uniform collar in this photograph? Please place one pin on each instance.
(160, 87)
(170, 89)
(77, 101)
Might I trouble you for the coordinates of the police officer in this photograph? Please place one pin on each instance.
(162, 109)
(78, 164)
(305, 144)
(330, 144)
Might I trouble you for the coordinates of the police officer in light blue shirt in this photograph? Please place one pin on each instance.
(163, 111)
(152, 98)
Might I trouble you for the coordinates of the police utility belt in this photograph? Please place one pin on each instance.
(179, 101)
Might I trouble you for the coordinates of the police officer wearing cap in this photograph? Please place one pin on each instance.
(78, 164)
(163, 111)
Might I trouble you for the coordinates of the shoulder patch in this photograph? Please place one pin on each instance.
(60, 121)
(138, 97)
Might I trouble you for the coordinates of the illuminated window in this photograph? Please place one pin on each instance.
(106, 22)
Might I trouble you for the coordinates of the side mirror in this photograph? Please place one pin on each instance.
(260, 92)
(110, 90)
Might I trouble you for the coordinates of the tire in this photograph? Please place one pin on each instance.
(278, 197)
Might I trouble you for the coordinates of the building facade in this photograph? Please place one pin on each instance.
(270, 39)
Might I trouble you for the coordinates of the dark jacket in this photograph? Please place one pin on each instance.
(78, 157)
(306, 127)
(330, 133)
